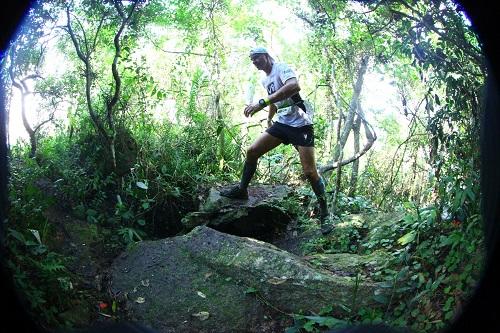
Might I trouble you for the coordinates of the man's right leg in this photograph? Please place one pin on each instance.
(262, 145)
(309, 166)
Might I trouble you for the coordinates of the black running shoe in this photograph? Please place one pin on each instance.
(235, 192)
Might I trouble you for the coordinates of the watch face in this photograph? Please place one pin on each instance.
(262, 102)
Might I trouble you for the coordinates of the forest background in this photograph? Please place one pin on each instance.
(132, 109)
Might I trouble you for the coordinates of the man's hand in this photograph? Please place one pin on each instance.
(269, 122)
(251, 109)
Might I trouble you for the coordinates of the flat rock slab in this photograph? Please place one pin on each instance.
(260, 216)
(257, 195)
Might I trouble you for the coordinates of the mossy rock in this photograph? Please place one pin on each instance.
(351, 264)
(261, 216)
(208, 281)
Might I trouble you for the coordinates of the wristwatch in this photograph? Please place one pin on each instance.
(262, 102)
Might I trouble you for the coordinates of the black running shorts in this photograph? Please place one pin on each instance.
(297, 136)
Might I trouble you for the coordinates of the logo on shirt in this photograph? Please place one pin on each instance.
(271, 88)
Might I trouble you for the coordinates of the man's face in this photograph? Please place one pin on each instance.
(258, 60)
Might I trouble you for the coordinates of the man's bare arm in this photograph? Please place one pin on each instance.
(272, 112)
(290, 88)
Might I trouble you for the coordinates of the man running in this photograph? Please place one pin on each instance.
(293, 126)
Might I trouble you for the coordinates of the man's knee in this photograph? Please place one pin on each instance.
(252, 154)
(311, 174)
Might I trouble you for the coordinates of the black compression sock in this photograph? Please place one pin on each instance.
(247, 174)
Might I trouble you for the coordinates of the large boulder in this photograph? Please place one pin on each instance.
(261, 216)
(208, 281)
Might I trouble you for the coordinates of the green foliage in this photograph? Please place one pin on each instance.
(353, 205)
(340, 240)
(39, 273)
(434, 262)
(179, 130)
(316, 323)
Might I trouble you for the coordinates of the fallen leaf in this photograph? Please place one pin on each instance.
(276, 281)
(140, 300)
(141, 185)
(36, 234)
(145, 283)
(202, 315)
(202, 295)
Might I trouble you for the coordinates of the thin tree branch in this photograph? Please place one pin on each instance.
(371, 138)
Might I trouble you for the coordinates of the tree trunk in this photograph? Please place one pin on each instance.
(105, 124)
(352, 108)
(220, 122)
(339, 170)
(349, 120)
(355, 165)
(337, 184)
(23, 89)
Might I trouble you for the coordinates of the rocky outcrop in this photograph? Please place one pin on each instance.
(260, 217)
(208, 281)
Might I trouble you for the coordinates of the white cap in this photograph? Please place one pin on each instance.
(258, 50)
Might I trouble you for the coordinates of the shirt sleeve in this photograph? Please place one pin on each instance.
(285, 73)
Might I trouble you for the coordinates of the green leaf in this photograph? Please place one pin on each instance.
(448, 304)
(36, 234)
(386, 284)
(17, 235)
(91, 219)
(326, 309)
(409, 219)
(408, 238)
(142, 185)
(328, 321)
(294, 329)
(219, 129)
(141, 222)
(91, 212)
(470, 194)
(309, 326)
(250, 290)
(381, 298)
(436, 98)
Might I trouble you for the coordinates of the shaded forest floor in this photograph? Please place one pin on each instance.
(91, 249)
(90, 255)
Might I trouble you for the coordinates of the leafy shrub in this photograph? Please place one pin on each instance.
(39, 274)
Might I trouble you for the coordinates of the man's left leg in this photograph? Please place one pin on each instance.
(309, 167)
(264, 143)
